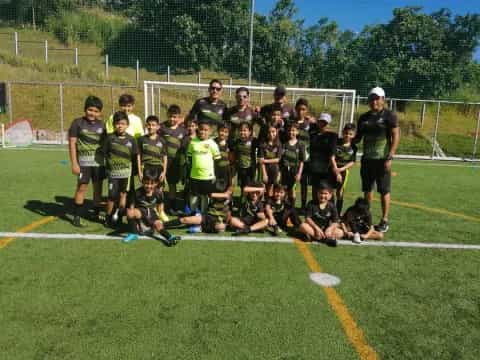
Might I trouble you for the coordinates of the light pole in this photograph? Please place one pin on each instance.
(250, 55)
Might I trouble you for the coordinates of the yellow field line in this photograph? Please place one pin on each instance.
(5, 241)
(353, 332)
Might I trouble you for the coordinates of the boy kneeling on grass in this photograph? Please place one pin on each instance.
(357, 222)
(252, 213)
(143, 217)
(321, 219)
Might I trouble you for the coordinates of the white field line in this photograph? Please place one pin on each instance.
(243, 239)
(427, 163)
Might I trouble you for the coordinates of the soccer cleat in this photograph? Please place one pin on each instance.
(243, 231)
(356, 238)
(77, 221)
(382, 226)
(331, 242)
(173, 240)
(129, 238)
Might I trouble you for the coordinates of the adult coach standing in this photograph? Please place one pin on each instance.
(210, 109)
(380, 133)
(279, 99)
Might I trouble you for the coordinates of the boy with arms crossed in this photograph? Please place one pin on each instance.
(85, 140)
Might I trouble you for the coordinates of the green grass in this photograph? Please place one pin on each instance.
(68, 299)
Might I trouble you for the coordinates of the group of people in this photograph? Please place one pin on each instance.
(266, 151)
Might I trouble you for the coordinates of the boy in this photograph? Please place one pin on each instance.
(291, 163)
(279, 212)
(215, 220)
(202, 153)
(223, 173)
(252, 214)
(85, 140)
(244, 155)
(191, 128)
(145, 212)
(275, 119)
(344, 159)
(153, 151)
(119, 149)
(126, 103)
(321, 220)
(173, 132)
(357, 222)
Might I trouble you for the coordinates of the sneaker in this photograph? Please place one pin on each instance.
(77, 221)
(194, 229)
(331, 242)
(173, 240)
(242, 231)
(382, 226)
(129, 238)
(356, 238)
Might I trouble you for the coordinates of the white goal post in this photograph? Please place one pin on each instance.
(340, 103)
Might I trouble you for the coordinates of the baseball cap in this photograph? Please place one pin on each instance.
(325, 117)
(280, 90)
(377, 91)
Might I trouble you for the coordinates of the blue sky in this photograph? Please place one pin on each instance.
(355, 14)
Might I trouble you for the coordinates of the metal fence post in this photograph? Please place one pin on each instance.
(9, 101)
(475, 142)
(422, 119)
(106, 67)
(76, 56)
(60, 89)
(16, 43)
(261, 94)
(434, 140)
(342, 114)
(325, 100)
(112, 101)
(230, 83)
(137, 72)
(46, 51)
(358, 102)
(168, 73)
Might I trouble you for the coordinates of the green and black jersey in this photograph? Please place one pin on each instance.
(292, 155)
(288, 112)
(358, 221)
(322, 148)
(245, 153)
(152, 151)
(322, 217)
(304, 136)
(120, 151)
(206, 110)
(344, 153)
(269, 151)
(143, 201)
(90, 137)
(173, 138)
(251, 209)
(376, 131)
(219, 208)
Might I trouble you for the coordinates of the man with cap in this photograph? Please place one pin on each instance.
(380, 133)
(279, 98)
(323, 142)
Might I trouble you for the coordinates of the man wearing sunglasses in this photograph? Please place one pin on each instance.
(242, 111)
(210, 109)
(380, 133)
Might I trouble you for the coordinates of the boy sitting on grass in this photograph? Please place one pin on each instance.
(279, 212)
(357, 222)
(321, 219)
(252, 212)
(143, 217)
(85, 140)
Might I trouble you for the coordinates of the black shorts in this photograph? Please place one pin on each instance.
(95, 173)
(174, 171)
(373, 171)
(117, 186)
(155, 169)
(149, 216)
(273, 173)
(245, 176)
(223, 179)
(249, 220)
(305, 173)
(209, 222)
(288, 177)
(282, 218)
(317, 178)
(202, 187)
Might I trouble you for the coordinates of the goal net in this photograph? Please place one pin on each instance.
(159, 95)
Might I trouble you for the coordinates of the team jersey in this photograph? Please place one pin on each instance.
(304, 136)
(270, 151)
(206, 110)
(344, 153)
(278, 209)
(376, 130)
(245, 152)
(90, 136)
(357, 221)
(143, 201)
(251, 209)
(234, 116)
(173, 138)
(292, 155)
(322, 217)
(202, 154)
(288, 112)
(152, 150)
(263, 133)
(322, 147)
(135, 126)
(224, 161)
(219, 208)
(119, 152)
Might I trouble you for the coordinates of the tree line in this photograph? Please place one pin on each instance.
(413, 55)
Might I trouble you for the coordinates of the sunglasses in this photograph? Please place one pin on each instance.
(214, 88)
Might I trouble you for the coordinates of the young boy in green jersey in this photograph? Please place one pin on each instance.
(322, 222)
(153, 151)
(344, 159)
(119, 149)
(252, 213)
(291, 163)
(85, 141)
(172, 131)
(144, 216)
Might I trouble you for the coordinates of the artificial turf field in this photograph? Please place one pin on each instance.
(103, 299)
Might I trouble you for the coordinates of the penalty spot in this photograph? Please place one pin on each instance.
(324, 279)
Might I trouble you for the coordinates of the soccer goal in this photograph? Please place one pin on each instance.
(340, 103)
(16, 134)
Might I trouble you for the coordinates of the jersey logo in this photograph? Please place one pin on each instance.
(286, 114)
(220, 111)
(380, 121)
(128, 144)
(248, 117)
(248, 143)
(180, 136)
(100, 130)
(159, 144)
